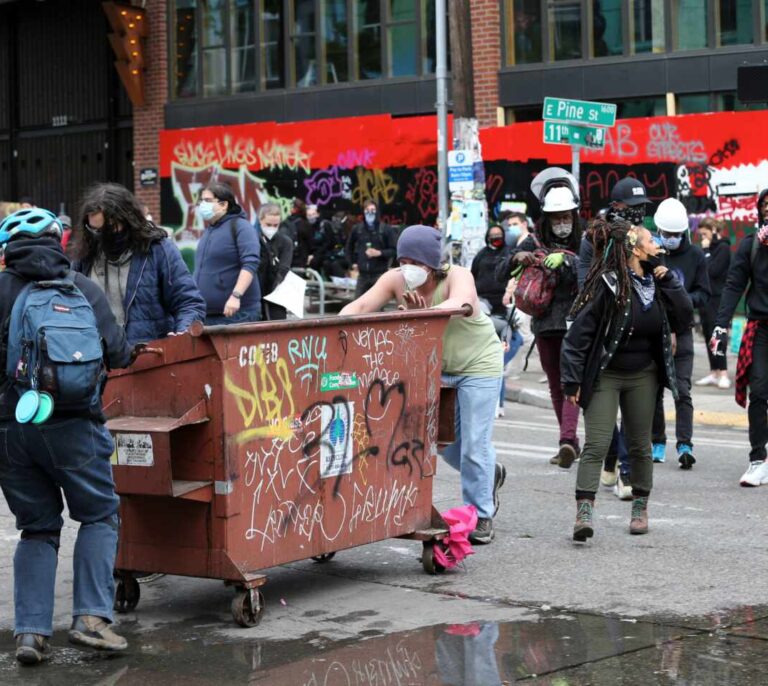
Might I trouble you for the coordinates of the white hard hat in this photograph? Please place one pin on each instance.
(553, 176)
(559, 199)
(671, 216)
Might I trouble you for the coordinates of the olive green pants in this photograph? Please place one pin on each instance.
(635, 394)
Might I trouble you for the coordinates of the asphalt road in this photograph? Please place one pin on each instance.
(683, 604)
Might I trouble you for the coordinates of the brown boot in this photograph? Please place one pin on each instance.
(639, 522)
(582, 529)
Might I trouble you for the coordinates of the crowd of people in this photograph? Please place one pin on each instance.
(609, 305)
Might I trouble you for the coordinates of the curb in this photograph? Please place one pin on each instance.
(536, 398)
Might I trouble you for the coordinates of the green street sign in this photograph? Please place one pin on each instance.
(568, 134)
(579, 112)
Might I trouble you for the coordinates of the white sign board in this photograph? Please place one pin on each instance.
(134, 450)
(460, 177)
(336, 439)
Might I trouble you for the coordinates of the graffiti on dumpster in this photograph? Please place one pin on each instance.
(307, 354)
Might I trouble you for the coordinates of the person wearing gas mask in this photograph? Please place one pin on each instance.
(554, 243)
(472, 361)
(749, 273)
(276, 256)
(370, 248)
(687, 262)
(148, 286)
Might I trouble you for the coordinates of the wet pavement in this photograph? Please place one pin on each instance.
(546, 647)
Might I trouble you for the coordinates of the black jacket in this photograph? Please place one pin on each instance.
(586, 253)
(330, 242)
(718, 256)
(487, 285)
(553, 322)
(299, 230)
(595, 334)
(276, 256)
(379, 236)
(690, 267)
(37, 259)
(744, 276)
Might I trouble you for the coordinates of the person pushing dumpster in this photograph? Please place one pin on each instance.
(52, 373)
(472, 361)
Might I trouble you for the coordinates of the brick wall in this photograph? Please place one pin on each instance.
(486, 58)
(149, 119)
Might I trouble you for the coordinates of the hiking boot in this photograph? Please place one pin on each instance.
(566, 455)
(499, 475)
(32, 649)
(638, 524)
(94, 632)
(483, 532)
(623, 489)
(685, 456)
(582, 529)
(658, 452)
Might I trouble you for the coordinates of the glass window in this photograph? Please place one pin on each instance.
(565, 29)
(303, 39)
(214, 52)
(336, 41)
(735, 22)
(693, 103)
(516, 115)
(728, 102)
(641, 107)
(368, 39)
(691, 19)
(523, 31)
(429, 49)
(272, 46)
(185, 58)
(647, 28)
(607, 29)
(242, 48)
(402, 36)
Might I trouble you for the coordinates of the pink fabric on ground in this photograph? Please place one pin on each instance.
(455, 547)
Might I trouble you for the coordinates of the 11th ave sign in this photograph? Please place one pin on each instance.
(579, 112)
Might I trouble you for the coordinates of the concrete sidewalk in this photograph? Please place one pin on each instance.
(711, 406)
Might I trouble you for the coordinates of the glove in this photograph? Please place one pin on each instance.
(718, 344)
(516, 271)
(554, 260)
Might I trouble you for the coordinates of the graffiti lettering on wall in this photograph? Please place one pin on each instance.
(307, 354)
(423, 193)
(376, 185)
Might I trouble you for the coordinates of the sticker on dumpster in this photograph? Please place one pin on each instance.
(134, 450)
(336, 442)
(337, 381)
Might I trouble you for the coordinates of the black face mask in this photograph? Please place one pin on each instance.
(633, 215)
(114, 243)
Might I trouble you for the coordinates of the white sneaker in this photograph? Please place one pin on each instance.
(724, 383)
(710, 380)
(621, 490)
(499, 411)
(608, 479)
(756, 474)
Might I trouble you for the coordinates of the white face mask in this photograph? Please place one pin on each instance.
(414, 276)
(562, 230)
(269, 232)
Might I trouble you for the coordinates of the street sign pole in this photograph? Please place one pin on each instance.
(441, 76)
(575, 161)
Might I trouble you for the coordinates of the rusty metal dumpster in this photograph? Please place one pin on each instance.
(239, 448)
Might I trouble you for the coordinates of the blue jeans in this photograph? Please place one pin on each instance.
(37, 463)
(473, 453)
(619, 450)
(238, 318)
(515, 343)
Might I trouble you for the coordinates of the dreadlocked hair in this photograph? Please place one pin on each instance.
(613, 243)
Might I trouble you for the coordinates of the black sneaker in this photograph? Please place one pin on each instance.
(483, 532)
(567, 455)
(32, 649)
(499, 475)
(94, 632)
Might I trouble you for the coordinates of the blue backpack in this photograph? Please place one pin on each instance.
(54, 344)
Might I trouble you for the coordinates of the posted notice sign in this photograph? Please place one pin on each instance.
(460, 176)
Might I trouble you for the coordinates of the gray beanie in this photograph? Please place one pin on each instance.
(421, 244)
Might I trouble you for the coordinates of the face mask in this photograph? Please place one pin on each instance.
(114, 243)
(312, 220)
(705, 243)
(633, 215)
(562, 230)
(206, 210)
(671, 243)
(414, 276)
(370, 218)
(512, 235)
(496, 243)
(269, 232)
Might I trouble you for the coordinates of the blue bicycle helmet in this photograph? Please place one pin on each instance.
(31, 223)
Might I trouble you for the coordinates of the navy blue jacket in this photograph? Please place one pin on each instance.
(228, 246)
(161, 296)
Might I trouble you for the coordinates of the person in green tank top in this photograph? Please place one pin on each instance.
(472, 361)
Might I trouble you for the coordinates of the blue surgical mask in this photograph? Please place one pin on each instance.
(511, 236)
(370, 218)
(205, 210)
(671, 242)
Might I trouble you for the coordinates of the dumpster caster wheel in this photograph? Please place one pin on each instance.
(247, 607)
(322, 559)
(127, 594)
(431, 566)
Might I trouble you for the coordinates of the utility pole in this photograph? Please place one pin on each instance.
(441, 74)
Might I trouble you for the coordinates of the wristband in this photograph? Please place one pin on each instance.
(237, 294)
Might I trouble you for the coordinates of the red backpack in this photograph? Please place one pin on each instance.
(536, 285)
